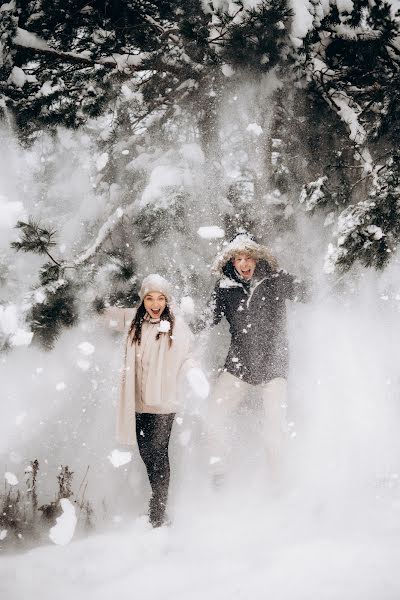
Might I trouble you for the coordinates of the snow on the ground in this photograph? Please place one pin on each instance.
(222, 549)
(64, 529)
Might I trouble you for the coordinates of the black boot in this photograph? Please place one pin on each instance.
(157, 516)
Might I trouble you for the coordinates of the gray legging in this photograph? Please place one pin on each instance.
(153, 433)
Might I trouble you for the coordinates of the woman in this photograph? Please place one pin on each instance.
(157, 356)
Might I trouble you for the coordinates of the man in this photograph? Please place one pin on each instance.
(251, 295)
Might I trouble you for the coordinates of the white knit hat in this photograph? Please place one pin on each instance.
(156, 283)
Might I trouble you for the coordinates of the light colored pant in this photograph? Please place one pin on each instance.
(228, 392)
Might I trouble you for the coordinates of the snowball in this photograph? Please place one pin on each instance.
(254, 128)
(10, 478)
(214, 460)
(119, 212)
(210, 233)
(86, 348)
(101, 161)
(21, 338)
(187, 305)
(60, 386)
(118, 458)
(3, 534)
(62, 533)
(164, 326)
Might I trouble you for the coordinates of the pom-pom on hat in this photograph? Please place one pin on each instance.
(156, 283)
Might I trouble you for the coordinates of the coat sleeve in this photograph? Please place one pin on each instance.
(213, 312)
(117, 318)
(293, 288)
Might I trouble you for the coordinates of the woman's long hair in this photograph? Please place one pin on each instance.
(137, 322)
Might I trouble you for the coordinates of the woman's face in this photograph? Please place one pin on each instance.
(244, 265)
(154, 303)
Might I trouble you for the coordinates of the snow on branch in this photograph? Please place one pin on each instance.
(313, 193)
(345, 107)
(104, 231)
(31, 41)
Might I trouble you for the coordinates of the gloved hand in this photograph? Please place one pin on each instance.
(198, 382)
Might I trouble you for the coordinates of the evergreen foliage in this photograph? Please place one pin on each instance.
(165, 70)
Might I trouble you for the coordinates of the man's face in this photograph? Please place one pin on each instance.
(244, 265)
(154, 304)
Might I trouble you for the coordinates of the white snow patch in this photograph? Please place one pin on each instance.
(83, 364)
(21, 338)
(184, 437)
(101, 161)
(118, 458)
(8, 319)
(187, 305)
(214, 460)
(19, 418)
(162, 177)
(60, 386)
(86, 348)
(39, 297)
(17, 77)
(375, 232)
(11, 478)
(10, 212)
(193, 154)
(3, 534)
(30, 40)
(211, 233)
(254, 128)
(227, 70)
(62, 533)
(198, 382)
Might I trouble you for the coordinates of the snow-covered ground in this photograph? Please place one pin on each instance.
(237, 546)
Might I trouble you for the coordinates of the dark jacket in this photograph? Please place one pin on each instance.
(256, 313)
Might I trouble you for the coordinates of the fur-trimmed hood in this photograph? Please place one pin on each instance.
(243, 242)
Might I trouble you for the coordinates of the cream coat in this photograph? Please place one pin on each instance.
(163, 370)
